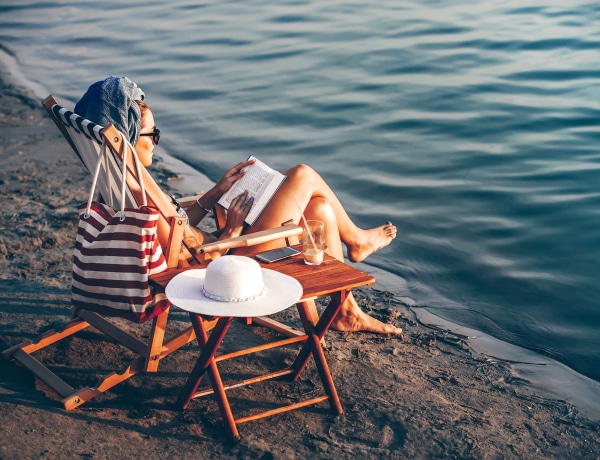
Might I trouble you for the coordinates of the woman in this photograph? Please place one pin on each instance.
(119, 101)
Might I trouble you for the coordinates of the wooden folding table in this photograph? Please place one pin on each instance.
(332, 278)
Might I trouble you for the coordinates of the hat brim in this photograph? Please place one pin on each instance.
(281, 291)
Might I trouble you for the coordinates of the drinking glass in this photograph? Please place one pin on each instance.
(313, 243)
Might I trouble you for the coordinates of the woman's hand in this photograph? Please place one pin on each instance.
(232, 175)
(238, 210)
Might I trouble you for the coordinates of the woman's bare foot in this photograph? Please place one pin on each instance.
(375, 239)
(352, 319)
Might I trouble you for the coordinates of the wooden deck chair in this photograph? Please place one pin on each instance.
(178, 244)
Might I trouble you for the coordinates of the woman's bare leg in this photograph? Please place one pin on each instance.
(318, 201)
(305, 184)
(351, 318)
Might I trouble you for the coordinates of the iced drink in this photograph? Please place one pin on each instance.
(313, 242)
(313, 256)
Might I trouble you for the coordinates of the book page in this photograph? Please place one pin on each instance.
(261, 182)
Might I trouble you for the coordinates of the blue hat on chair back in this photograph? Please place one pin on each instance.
(113, 101)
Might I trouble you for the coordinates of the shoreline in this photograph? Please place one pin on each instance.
(431, 396)
(546, 374)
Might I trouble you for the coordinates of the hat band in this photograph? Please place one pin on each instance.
(219, 298)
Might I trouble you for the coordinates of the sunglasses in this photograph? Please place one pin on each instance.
(155, 135)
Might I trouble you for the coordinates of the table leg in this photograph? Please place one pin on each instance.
(208, 347)
(330, 312)
(313, 346)
(222, 400)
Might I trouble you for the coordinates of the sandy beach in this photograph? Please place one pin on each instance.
(428, 396)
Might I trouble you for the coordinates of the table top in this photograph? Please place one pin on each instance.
(316, 280)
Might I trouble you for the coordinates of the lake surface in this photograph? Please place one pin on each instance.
(473, 126)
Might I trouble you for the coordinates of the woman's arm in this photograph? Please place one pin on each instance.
(236, 214)
(206, 202)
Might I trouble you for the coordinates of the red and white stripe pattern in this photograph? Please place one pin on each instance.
(114, 255)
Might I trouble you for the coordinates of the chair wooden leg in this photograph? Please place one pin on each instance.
(139, 364)
(57, 384)
(104, 384)
(48, 338)
(149, 354)
(159, 326)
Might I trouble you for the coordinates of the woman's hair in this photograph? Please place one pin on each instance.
(143, 108)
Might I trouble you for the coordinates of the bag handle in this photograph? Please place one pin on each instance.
(138, 171)
(104, 158)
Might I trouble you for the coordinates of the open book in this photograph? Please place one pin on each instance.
(261, 182)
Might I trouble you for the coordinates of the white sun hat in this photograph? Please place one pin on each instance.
(233, 286)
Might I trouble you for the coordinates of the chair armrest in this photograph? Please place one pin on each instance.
(251, 239)
(187, 201)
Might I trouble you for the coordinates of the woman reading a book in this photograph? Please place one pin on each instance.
(119, 101)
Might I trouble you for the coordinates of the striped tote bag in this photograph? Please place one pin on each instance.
(116, 251)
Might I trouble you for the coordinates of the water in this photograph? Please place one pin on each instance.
(473, 126)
